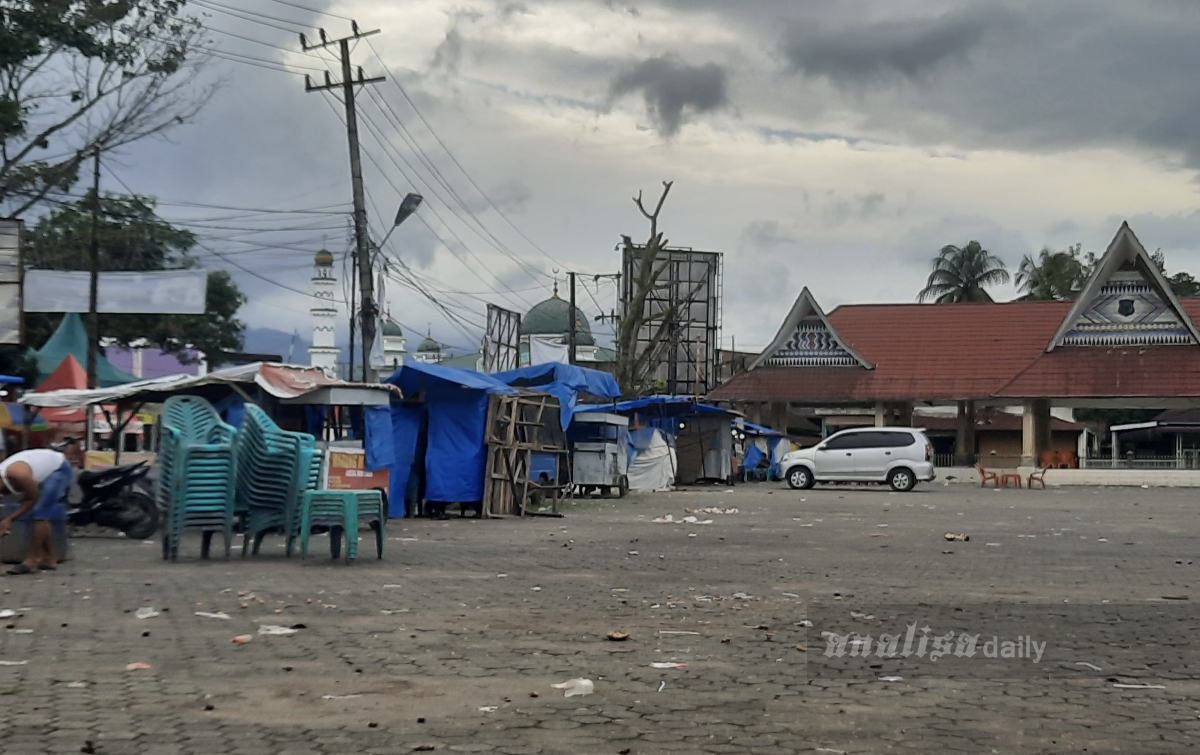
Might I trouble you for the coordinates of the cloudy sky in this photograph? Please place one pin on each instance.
(831, 145)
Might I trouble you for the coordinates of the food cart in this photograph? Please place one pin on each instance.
(599, 444)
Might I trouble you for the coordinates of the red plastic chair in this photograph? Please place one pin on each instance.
(985, 476)
(1039, 477)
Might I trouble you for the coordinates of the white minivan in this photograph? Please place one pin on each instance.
(899, 456)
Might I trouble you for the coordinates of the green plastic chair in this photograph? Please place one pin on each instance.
(343, 511)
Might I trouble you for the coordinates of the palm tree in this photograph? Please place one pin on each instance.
(961, 274)
(1058, 276)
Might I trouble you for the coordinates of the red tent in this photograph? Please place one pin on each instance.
(68, 374)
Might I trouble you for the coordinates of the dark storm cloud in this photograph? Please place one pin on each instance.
(671, 87)
(908, 47)
(766, 235)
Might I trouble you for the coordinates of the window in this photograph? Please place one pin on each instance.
(849, 441)
(869, 439)
(896, 439)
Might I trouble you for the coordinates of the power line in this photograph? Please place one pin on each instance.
(396, 81)
(420, 217)
(243, 15)
(312, 10)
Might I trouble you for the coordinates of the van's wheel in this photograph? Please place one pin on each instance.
(800, 478)
(902, 480)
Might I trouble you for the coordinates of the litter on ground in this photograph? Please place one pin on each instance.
(217, 615)
(146, 613)
(275, 631)
(573, 687)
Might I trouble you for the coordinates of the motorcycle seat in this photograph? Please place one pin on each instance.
(89, 478)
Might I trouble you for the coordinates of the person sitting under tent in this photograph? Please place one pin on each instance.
(42, 477)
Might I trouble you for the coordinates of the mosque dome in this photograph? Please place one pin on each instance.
(553, 318)
(323, 258)
(391, 329)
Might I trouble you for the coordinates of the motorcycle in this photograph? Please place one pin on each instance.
(113, 498)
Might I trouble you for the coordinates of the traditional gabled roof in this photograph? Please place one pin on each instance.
(807, 339)
(1126, 302)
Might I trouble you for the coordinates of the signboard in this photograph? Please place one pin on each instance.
(502, 340)
(166, 292)
(346, 469)
(680, 318)
(10, 281)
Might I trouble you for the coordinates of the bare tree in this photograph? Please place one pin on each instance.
(79, 77)
(635, 368)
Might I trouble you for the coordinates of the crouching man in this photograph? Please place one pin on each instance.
(42, 477)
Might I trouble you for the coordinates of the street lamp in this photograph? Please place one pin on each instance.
(407, 207)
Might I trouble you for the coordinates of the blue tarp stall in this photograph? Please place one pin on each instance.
(444, 414)
(763, 443)
(450, 404)
(565, 382)
(701, 433)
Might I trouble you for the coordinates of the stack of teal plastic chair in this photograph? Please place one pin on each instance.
(274, 469)
(343, 511)
(196, 473)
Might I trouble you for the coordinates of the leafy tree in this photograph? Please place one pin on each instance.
(81, 76)
(1182, 284)
(963, 275)
(1058, 276)
(133, 237)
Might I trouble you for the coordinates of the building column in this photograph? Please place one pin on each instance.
(883, 414)
(1035, 431)
(779, 416)
(964, 441)
(904, 414)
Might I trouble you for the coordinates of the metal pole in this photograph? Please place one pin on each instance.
(361, 238)
(572, 312)
(93, 321)
(353, 316)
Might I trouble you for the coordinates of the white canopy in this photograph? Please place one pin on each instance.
(288, 382)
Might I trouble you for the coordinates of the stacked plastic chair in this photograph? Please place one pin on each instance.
(274, 469)
(343, 511)
(196, 474)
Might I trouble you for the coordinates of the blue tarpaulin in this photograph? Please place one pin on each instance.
(455, 401)
(406, 428)
(565, 382)
(378, 437)
(666, 406)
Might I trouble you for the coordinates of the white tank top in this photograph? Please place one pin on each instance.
(42, 461)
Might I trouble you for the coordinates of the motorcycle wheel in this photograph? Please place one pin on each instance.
(141, 515)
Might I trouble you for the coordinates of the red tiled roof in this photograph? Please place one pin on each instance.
(971, 351)
(920, 351)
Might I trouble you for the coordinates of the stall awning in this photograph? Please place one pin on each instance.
(286, 382)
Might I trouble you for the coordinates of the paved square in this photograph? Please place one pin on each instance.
(454, 640)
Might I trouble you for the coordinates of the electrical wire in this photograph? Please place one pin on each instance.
(396, 82)
(312, 10)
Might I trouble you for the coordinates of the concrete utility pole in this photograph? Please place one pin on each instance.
(93, 321)
(362, 239)
(572, 314)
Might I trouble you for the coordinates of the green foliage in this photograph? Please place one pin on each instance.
(1182, 284)
(1057, 276)
(81, 76)
(133, 237)
(18, 361)
(963, 275)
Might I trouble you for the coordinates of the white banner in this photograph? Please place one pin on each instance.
(542, 351)
(162, 292)
(10, 281)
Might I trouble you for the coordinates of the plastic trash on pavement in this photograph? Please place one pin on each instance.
(573, 687)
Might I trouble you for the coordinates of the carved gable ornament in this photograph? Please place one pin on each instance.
(1126, 302)
(807, 339)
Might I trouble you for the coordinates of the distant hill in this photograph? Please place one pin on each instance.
(272, 341)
